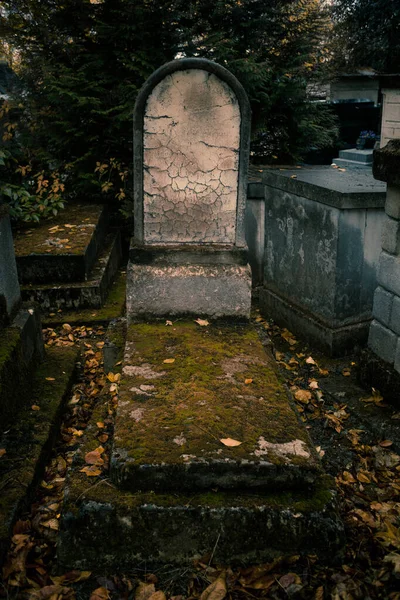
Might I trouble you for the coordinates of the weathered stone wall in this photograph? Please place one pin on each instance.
(384, 335)
(322, 244)
(191, 159)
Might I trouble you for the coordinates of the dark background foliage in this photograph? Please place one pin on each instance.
(80, 64)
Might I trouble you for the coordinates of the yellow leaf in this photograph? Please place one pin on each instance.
(169, 361)
(216, 590)
(100, 425)
(51, 524)
(35, 407)
(313, 385)
(310, 361)
(50, 378)
(303, 396)
(247, 381)
(202, 322)
(363, 478)
(230, 442)
(346, 372)
(91, 471)
(94, 457)
(100, 593)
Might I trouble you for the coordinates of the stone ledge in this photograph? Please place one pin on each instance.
(188, 254)
(21, 350)
(217, 291)
(31, 436)
(179, 529)
(345, 190)
(332, 340)
(386, 165)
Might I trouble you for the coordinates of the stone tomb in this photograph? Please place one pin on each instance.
(191, 147)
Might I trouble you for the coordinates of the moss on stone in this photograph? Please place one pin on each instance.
(217, 383)
(81, 490)
(113, 308)
(29, 440)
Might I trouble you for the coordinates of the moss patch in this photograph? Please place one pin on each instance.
(67, 233)
(113, 308)
(217, 383)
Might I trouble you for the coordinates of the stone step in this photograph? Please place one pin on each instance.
(81, 294)
(343, 162)
(178, 528)
(187, 391)
(363, 156)
(28, 442)
(63, 250)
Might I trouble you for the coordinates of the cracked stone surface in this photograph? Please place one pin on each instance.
(191, 159)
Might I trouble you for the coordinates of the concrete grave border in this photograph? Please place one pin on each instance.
(244, 146)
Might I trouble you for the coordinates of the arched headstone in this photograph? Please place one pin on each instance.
(191, 148)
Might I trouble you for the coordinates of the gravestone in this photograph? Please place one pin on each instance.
(191, 148)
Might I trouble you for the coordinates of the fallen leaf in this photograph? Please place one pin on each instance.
(144, 591)
(168, 323)
(386, 443)
(3, 451)
(51, 524)
(216, 590)
(92, 471)
(346, 372)
(50, 378)
(35, 407)
(202, 322)
(94, 457)
(310, 361)
(103, 438)
(313, 385)
(169, 361)
(303, 396)
(363, 478)
(100, 593)
(230, 442)
(247, 381)
(288, 336)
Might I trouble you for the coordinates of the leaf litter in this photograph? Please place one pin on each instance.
(368, 484)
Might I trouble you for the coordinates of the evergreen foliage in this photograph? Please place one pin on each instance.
(82, 62)
(366, 35)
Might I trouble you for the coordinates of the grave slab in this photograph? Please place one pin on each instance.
(184, 389)
(62, 250)
(80, 294)
(245, 525)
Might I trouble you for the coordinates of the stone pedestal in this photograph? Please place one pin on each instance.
(191, 146)
(381, 365)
